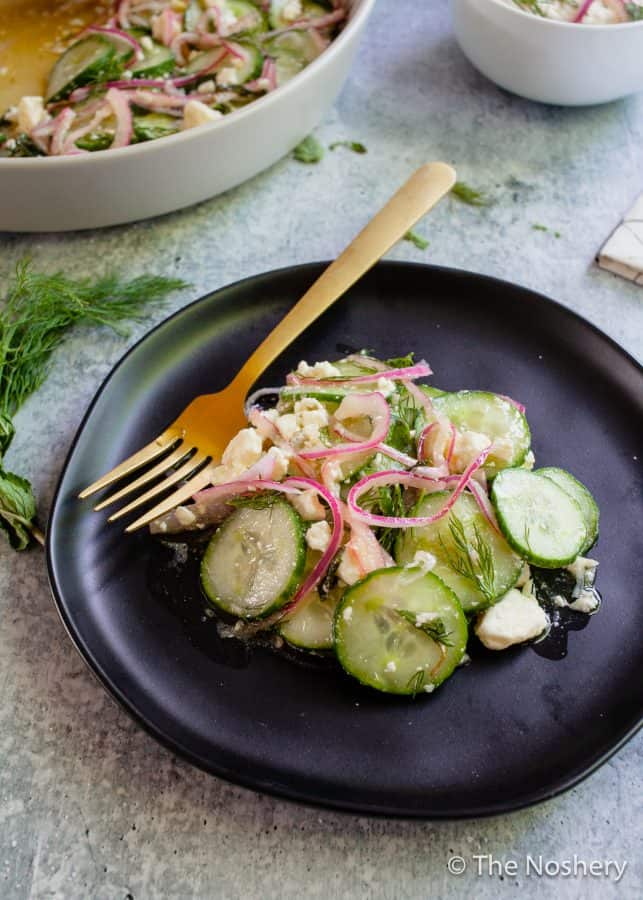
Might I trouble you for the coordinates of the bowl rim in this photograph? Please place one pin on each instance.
(546, 22)
(359, 12)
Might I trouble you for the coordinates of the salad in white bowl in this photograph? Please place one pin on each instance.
(586, 12)
(388, 522)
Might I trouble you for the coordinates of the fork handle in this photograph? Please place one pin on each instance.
(415, 198)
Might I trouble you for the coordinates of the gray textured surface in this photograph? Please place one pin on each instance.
(90, 807)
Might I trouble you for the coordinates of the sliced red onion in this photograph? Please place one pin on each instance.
(519, 406)
(121, 35)
(451, 447)
(167, 26)
(423, 400)
(419, 370)
(364, 547)
(267, 81)
(410, 479)
(484, 503)
(424, 435)
(122, 12)
(373, 406)
(124, 127)
(103, 111)
(153, 100)
(397, 455)
(583, 10)
(61, 126)
(318, 571)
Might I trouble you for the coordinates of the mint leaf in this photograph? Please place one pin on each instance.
(309, 150)
(17, 509)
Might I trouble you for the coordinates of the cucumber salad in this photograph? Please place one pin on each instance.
(584, 12)
(366, 515)
(160, 66)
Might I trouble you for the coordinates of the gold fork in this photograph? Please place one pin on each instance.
(190, 445)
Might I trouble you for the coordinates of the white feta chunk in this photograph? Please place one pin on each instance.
(308, 506)
(348, 569)
(292, 10)
(512, 620)
(31, 112)
(323, 369)
(468, 445)
(287, 425)
(318, 536)
(529, 461)
(385, 386)
(281, 462)
(244, 450)
(390, 666)
(196, 113)
(425, 560)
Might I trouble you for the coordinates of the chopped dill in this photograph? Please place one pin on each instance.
(416, 681)
(435, 628)
(471, 560)
(634, 11)
(469, 195)
(355, 146)
(416, 239)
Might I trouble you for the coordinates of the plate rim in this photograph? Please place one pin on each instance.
(256, 784)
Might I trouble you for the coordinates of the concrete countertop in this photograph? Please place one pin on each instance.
(90, 806)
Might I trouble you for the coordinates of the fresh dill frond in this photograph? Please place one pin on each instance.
(471, 560)
(532, 6)
(414, 238)
(401, 362)
(466, 194)
(261, 500)
(634, 11)
(355, 146)
(39, 309)
(391, 503)
(416, 682)
(434, 628)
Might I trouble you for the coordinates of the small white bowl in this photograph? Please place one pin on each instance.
(547, 60)
(110, 187)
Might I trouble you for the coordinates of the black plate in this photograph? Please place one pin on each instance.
(507, 731)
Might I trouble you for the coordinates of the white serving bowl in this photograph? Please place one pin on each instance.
(110, 187)
(547, 60)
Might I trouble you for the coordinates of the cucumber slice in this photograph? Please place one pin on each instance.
(255, 561)
(582, 496)
(492, 415)
(92, 59)
(476, 587)
(324, 395)
(431, 391)
(245, 65)
(99, 140)
(255, 19)
(309, 10)
(158, 61)
(311, 625)
(384, 626)
(540, 520)
(202, 62)
(292, 52)
(149, 126)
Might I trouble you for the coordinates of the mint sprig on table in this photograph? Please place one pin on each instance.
(35, 316)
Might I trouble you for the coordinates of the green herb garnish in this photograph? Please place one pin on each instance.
(309, 150)
(260, 500)
(434, 628)
(35, 316)
(634, 11)
(471, 560)
(538, 227)
(469, 195)
(417, 239)
(530, 6)
(416, 682)
(355, 146)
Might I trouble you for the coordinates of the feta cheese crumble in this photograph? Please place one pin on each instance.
(514, 619)
(318, 536)
(323, 369)
(196, 113)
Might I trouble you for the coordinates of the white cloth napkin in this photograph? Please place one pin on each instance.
(623, 251)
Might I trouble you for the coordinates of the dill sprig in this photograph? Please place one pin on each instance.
(472, 560)
(416, 681)
(39, 309)
(37, 312)
(434, 628)
(466, 194)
